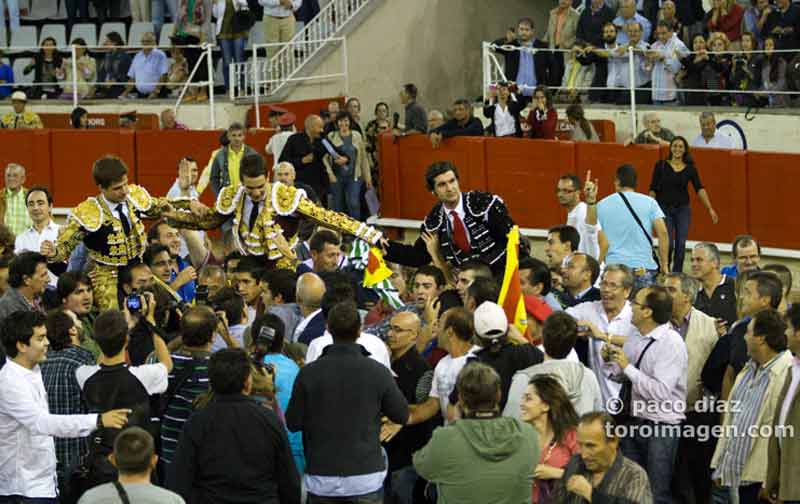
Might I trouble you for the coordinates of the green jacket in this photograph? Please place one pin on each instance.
(487, 461)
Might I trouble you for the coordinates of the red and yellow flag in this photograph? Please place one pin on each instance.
(376, 270)
(511, 293)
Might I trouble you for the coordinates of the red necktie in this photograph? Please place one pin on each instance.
(459, 233)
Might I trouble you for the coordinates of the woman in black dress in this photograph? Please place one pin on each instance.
(670, 187)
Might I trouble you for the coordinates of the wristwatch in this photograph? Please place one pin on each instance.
(100, 421)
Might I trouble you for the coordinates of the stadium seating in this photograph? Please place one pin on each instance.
(137, 30)
(86, 31)
(166, 32)
(18, 66)
(24, 36)
(56, 31)
(110, 27)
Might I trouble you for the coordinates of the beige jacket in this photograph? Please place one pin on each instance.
(362, 162)
(568, 31)
(784, 457)
(701, 337)
(755, 469)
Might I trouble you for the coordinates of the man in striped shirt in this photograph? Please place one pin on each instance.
(189, 376)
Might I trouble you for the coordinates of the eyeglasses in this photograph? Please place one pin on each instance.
(610, 286)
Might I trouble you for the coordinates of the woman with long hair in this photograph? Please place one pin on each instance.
(670, 187)
(773, 73)
(543, 117)
(694, 68)
(548, 409)
(47, 70)
(582, 129)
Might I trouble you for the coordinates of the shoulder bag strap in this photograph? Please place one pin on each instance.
(641, 226)
(641, 355)
(123, 495)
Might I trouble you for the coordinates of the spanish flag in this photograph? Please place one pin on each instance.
(511, 293)
(376, 270)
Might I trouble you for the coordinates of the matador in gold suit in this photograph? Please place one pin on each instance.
(95, 223)
(265, 237)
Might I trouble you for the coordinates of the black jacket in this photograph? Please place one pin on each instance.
(541, 60)
(453, 128)
(234, 451)
(338, 401)
(590, 25)
(514, 108)
(314, 174)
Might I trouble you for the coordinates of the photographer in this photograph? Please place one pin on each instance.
(113, 384)
(232, 315)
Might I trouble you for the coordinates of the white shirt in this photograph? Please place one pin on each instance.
(373, 344)
(31, 241)
(790, 394)
(251, 314)
(175, 192)
(276, 144)
(237, 335)
(718, 141)
(113, 207)
(459, 210)
(303, 324)
(445, 376)
(588, 233)
(27, 450)
(504, 123)
(620, 325)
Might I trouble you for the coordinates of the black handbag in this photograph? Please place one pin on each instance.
(243, 20)
(646, 234)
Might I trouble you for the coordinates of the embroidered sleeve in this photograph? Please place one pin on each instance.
(68, 238)
(188, 220)
(338, 221)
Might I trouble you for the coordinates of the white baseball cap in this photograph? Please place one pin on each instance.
(18, 96)
(490, 321)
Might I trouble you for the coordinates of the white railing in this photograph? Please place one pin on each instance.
(493, 72)
(206, 58)
(283, 66)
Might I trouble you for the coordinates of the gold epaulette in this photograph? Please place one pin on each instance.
(285, 198)
(228, 199)
(140, 198)
(88, 214)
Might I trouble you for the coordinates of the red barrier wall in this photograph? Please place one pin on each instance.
(300, 109)
(31, 149)
(103, 121)
(752, 192)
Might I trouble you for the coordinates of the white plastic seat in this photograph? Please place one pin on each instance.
(86, 31)
(113, 27)
(137, 30)
(18, 66)
(166, 33)
(56, 31)
(24, 36)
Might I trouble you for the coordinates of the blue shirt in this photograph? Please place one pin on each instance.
(146, 70)
(7, 75)
(620, 23)
(285, 373)
(526, 74)
(627, 243)
(730, 271)
(187, 291)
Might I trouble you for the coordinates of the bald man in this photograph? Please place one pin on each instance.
(304, 151)
(284, 173)
(308, 293)
(413, 376)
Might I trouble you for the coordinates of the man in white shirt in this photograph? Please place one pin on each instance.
(709, 134)
(279, 21)
(606, 320)
(185, 186)
(39, 203)
(593, 241)
(27, 450)
(278, 141)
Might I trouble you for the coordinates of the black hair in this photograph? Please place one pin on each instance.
(336, 293)
(576, 181)
(281, 282)
(344, 322)
(479, 268)
(133, 451)
(378, 105)
(436, 169)
(344, 115)
(462, 321)
(276, 324)
(108, 170)
(478, 385)
(321, 238)
(539, 273)
(58, 326)
(626, 176)
(744, 240)
(767, 285)
(793, 316)
(567, 234)
(75, 117)
(411, 90)
(68, 283)
(252, 166)
(431, 271)
(526, 21)
(482, 290)
(559, 334)
(18, 328)
(228, 370)
(591, 264)
(197, 326)
(575, 111)
(233, 256)
(115, 38)
(125, 275)
(251, 264)
(783, 273)
(152, 251)
(24, 265)
(659, 301)
(231, 302)
(111, 332)
(770, 325)
(154, 234)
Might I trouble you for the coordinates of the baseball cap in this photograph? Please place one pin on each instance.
(537, 307)
(18, 96)
(491, 322)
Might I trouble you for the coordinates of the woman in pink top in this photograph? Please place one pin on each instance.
(548, 409)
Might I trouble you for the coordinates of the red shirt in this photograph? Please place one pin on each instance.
(730, 24)
(557, 455)
(543, 126)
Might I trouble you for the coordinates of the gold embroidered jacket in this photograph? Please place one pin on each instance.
(99, 228)
(281, 200)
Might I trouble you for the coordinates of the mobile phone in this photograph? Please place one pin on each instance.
(201, 295)
(133, 302)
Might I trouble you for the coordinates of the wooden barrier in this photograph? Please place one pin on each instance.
(31, 149)
(98, 120)
(752, 192)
